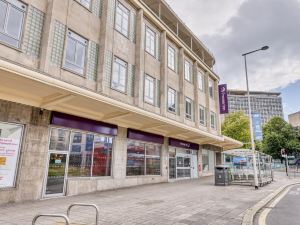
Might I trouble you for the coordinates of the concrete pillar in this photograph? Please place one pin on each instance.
(46, 38)
(139, 59)
(120, 154)
(196, 94)
(106, 42)
(200, 172)
(181, 84)
(165, 159)
(218, 116)
(207, 101)
(163, 74)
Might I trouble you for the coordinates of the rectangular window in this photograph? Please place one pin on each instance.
(202, 115)
(122, 19)
(143, 159)
(90, 155)
(201, 81)
(75, 53)
(119, 75)
(213, 120)
(187, 71)
(12, 15)
(211, 88)
(85, 3)
(171, 58)
(188, 108)
(149, 94)
(171, 100)
(150, 44)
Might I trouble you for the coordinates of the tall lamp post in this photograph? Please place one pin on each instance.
(250, 115)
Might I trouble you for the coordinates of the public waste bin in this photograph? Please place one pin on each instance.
(222, 175)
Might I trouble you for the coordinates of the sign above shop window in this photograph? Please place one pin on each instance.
(75, 122)
(144, 136)
(183, 144)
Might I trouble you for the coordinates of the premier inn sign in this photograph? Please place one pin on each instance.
(223, 98)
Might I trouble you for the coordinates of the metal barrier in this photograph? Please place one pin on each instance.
(84, 205)
(51, 215)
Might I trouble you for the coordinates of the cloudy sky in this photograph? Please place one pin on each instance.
(230, 28)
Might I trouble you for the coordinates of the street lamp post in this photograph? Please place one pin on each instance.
(250, 115)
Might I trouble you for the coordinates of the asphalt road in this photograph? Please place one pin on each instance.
(285, 210)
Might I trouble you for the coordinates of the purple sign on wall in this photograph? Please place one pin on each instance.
(183, 144)
(223, 98)
(144, 136)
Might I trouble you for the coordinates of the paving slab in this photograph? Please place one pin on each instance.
(187, 202)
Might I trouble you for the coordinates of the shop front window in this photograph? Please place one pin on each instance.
(59, 140)
(143, 159)
(205, 161)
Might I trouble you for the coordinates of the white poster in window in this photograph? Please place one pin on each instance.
(10, 139)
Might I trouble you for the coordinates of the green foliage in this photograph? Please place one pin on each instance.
(278, 134)
(236, 126)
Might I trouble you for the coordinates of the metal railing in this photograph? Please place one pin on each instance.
(84, 205)
(51, 215)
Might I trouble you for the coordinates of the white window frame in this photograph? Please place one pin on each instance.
(187, 71)
(202, 111)
(171, 57)
(79, 41)
(122, 13)
(213, 120)
(149, 89)
(201, 81)
(85, 3)
(211, 88)
(172, 100)
(150, 41)
(188, 110)
(21, 7)
(116, 77)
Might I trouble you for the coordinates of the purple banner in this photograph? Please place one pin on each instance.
(223, 98)
(183, 144)
(144, 136)
(75, 122)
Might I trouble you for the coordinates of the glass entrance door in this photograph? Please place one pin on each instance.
(172, 168)
(56, 174)
(183, 166)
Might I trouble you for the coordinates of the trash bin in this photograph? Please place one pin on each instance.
(222, 175)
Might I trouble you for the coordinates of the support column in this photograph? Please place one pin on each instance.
(165, 159)
(163, 74)
(196, 94)
(120, 154)
(139, 59)
(207, 101)
(218, 116)
(181, 84)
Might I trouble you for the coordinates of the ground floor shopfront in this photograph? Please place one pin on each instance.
(46, 154)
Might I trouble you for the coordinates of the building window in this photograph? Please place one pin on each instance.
(85, 3)
(171, 100)
(12, 14)
(75, 53)
(171, 58)
(119, 75)
(188, 108)
(211, 88)
(202, 115)
(143, 159)
(150, 41)
(201, 81)
(187, 71)
(149, 89)
(213, 120)
(122, 19)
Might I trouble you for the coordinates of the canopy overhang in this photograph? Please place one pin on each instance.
(25, 86)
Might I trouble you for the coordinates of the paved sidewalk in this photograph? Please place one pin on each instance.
(187, 202)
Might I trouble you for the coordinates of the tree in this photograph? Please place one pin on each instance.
(236, 126)
(278, 134)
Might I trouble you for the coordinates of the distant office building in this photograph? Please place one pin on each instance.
(265, 104)
(294, 119)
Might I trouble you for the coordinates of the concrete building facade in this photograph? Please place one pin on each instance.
(294, 119)
(266, 104)
(102, 94)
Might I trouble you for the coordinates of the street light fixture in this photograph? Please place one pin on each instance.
(250, 115)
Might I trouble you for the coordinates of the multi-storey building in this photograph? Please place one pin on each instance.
(266, 104)
(294, 119)
(102, 94)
